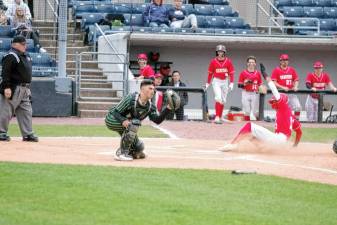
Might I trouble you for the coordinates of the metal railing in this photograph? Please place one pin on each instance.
(283, 27)
(268, 12)
(320, 101)
(108, 74)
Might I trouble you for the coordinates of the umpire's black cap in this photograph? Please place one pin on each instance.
(19, 39)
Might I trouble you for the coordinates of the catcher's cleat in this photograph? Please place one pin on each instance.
(138, 155)
(119, 156)
(229, 147)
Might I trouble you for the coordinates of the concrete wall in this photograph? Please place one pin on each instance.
(193, 63)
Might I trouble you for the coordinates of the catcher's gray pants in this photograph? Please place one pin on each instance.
(311, 106)
(19, 105)
(250, 103)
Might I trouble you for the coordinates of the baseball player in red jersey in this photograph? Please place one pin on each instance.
(221, 75)
(285, 122)
(249, 81)
(145, 70)
(286, 78)
(318, 80)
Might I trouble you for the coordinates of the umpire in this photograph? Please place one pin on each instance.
(15, 90)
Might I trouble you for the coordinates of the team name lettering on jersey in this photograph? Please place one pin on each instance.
(286, 77)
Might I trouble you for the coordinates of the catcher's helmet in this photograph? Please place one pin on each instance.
(334, 147)
(220, 48)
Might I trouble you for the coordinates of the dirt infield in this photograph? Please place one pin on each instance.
(312, 162)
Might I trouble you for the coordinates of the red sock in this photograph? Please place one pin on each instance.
(247, 118)
(217, 109)
(221, 109)
(246, 129)
(297, 115)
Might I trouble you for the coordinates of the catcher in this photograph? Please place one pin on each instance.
(285, 122)
(125, 118)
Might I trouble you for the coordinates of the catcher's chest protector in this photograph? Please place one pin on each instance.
(139, 112)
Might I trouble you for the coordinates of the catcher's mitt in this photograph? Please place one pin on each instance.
(262, 89)
(334, 147)
(173, 99)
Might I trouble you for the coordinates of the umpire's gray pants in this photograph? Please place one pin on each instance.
(19, 105)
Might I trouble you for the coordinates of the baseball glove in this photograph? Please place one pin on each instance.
(262, 89)
(334, 147)
(173, 99)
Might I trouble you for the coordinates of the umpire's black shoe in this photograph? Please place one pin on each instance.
(4, 137)
(31, 138)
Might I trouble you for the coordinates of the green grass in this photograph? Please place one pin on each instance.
(34, 194)
(82, 131)
(325, 135)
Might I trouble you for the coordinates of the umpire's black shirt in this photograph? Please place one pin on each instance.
(16, 69)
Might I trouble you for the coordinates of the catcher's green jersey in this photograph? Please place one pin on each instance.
(130, 108)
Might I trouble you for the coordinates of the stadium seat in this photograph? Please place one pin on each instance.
(42, 60)
(223, 31)
(127, 18)
(141, 29)
(105, 8)
(114, 30)
(235, 22)
(330, 12)
(294, 11)
(161, 30)
(183, 30)
(302, 3)
(327, 24)
(215, 2)
(224, 10)
(201, 21)
(89, 19)
(305, 23)
(280, 3)
(334, 3)
(313, 12)
(93, 30)
(81, 9)
(138, 8)
(168, 6)
(5, 44)
(6, 31)
(137, 20)
(122, 8)
(205, 10)
(243, 31)
(215, 22)
(204, 31)
(323, 3)
(188, 8)
(30, 46)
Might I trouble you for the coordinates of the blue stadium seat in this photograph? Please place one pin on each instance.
(236, 22)
(81, 9)
(330, 12)
(244, 31)
(127, 18)
(302, 3)
(293, 11)
(105, 8)
(215, 2)
(324, 3)
(138, 8)
(168, 6)
(280, 3)
(136, 20)
(161, 30)
(201, 21)
(122, 8)
(5, 44)
(334, 3)
(42, 60)
(30, 46)
(142, 29)
(215, 22)
(224, 10)
(313, 12)
(205, 10)
(6, 31)
(327, 24)
(183, 30)
(89, 19)
(188, 8)
(93, 30)
(223, 31)
(204, 31)
(306, 23)
(114, 30)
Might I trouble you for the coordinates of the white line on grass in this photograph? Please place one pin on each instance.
(167, 132)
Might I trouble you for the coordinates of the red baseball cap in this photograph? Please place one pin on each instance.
(158, 75)
(318, 64)
(284, 57)
(142, 56)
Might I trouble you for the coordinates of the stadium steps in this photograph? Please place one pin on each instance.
(88, 84)
(98, 92)
(92, 113)
(49, 43)
(96, 105)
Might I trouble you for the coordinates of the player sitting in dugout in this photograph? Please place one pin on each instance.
(285, 122)
(125, 118)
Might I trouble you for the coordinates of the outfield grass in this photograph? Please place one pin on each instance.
(33, 194)
(325, 135)
(82, 131)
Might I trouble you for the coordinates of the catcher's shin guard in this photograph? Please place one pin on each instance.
(129, 136)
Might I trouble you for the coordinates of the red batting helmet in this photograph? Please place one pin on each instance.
(284, 57)
(318, 64)
(142, 56)
(274, 103)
